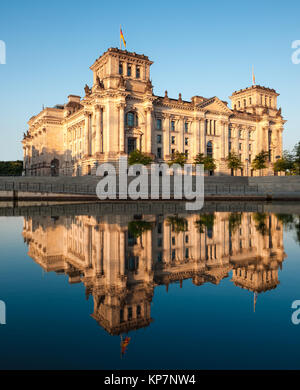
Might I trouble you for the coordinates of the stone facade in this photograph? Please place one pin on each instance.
(121, 259)
(120, 113)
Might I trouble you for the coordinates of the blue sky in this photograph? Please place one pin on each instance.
(198, 47)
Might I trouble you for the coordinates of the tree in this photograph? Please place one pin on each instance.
(178, 158)
(260, 161)
(296, 158)
(233, 162)
(208, 162)
(11, 168)
(138, 157)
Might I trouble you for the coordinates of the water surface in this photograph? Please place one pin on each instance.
(150, 288)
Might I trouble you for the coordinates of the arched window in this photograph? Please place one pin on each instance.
(209, 149)
(131, 119)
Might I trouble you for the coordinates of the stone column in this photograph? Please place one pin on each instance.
(148, 141)
(203, 136)
(86, 133)
(180, 136)
(97, 148)
(166, 137)
(121, 128)
(122, 253)
(224, 135)
(237, 140)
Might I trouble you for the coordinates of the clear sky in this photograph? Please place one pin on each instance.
(198, 47)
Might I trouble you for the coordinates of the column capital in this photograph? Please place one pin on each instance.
(121, 105)
(148, 109)
(97, 107)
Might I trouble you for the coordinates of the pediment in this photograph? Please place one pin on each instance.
(215, 104)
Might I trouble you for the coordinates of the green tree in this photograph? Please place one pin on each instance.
(233, 162)
(260, 161)
(208, 162)
(11, 168)
(296, 158)
(178, 158)
(138, 157)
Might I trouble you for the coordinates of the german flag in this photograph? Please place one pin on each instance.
(122, 37)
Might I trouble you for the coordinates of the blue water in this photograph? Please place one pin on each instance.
(49, 323)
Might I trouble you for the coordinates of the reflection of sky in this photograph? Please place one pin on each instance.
(49, 323)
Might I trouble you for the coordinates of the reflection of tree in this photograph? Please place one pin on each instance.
(205, 220)
(291, 222)
(137, 228)
(287, 220)
(260, 225)
(297, 228)
(234, 221)
(178, 224)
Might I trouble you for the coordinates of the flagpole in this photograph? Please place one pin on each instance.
(120, 39)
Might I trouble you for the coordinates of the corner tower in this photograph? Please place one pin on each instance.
(120, 66)
(254, 99)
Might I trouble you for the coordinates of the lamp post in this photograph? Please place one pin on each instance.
(247, 160)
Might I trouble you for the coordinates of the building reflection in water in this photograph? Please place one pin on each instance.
(121, 259)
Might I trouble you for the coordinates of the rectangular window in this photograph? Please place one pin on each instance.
(159, 242)
(159, 152)
(249, 146)
(173, 254)
(158, 138)
(120, 68)
(186, 152)
(187, 253)
(240, 146)
(173, 152)
(186, 127)
(240, 133)
(158, 124)
(128, 70)
(159, 257)
(173, 140)
(229, 132)
(186, 239)
(129, 313)
(173, 240)
(250, 101)
(186, 141)
(173, 125)
(229, 146)
(159, 228)
(138, 72)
